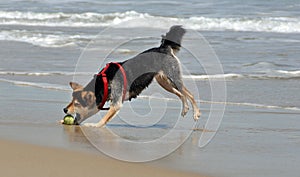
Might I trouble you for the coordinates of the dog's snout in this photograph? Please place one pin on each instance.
(65, 110)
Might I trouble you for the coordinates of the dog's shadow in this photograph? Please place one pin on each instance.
(87, 135)
(163, 126)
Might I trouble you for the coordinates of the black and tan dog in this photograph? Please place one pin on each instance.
(125, 80)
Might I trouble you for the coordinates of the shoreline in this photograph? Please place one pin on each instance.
(21, 159)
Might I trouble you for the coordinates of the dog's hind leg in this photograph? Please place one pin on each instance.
(165, 83)
(189, 95)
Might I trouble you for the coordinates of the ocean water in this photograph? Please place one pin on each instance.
(256, 42)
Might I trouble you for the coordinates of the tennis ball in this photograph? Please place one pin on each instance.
(69, 120)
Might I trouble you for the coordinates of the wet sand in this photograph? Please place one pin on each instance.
(20, 159)
(251, 141)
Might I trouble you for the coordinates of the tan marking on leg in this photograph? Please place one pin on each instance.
(113, 110)
(189, 95)
(173, 54)
(164, 82)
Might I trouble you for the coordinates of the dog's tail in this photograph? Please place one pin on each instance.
(173, 38)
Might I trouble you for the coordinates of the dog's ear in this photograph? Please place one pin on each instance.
(90, 98)
(75, 86)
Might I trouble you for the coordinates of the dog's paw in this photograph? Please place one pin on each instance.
(184, 111)
(197, 114)
(97, 125)
(90, 124)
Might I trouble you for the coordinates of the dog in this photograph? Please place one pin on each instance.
(123, 81)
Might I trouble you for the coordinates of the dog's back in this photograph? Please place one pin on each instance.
(142, 68)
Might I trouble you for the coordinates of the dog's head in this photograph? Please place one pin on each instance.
(83, 104)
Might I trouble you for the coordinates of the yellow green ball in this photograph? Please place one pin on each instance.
(69, 120)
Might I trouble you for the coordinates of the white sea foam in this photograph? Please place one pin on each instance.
(133, 19)
(269, 74)
(43, 39)
(256, 105)
(53, 73)
(66, 88)
(214, 77)
(276, 74)
(290, 73)
(90, 19)
(37, 85)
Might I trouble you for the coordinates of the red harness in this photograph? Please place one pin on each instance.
(105, 83)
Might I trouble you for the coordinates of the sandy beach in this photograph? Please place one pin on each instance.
(20, 159)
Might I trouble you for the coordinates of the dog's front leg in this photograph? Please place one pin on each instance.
(113, 110)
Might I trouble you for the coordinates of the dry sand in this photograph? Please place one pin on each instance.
(19, 159)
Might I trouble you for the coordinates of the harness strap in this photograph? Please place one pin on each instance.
(124, 79)
(105, 84)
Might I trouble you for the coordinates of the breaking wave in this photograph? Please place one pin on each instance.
(91, 19)
(54, 38)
